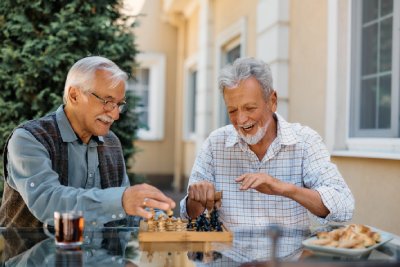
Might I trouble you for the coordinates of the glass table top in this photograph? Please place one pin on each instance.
(120, 246)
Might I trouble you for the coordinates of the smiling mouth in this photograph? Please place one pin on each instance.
(247, 128)
(105, 122)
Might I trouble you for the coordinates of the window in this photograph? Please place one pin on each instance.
(230, 45)
(140, 86)
(375, 68)
(190, 104)
(230, 53)
(191, 94)
(148, 83)
(192, 101)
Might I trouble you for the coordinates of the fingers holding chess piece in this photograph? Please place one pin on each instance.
(170, 213)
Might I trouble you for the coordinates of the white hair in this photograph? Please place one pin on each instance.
(244, 68)
(81, 74)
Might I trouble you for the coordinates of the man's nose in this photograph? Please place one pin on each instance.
(114, 114)
(242, 117)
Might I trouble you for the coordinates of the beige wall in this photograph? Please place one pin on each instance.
(192, 33)
(191, 48)
(188, 159)
(156, 35)
(375, 185)
(238, 10)
(307, 63)
(374, 182)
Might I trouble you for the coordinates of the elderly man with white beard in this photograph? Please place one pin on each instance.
(269, 170)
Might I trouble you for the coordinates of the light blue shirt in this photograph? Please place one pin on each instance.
(31, 174)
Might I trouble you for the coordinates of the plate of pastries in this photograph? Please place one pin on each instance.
(349, 240)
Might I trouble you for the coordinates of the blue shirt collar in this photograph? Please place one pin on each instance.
(67, 133)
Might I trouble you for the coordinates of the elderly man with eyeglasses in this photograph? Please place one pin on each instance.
(70, 160)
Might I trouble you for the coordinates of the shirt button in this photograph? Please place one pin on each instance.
(114, 216)
(91, 175)
(121, 215)
(32, 184)
(94, 223)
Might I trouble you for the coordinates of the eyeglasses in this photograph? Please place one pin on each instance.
(109, 105)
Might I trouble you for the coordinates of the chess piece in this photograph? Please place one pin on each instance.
(180, 225)
(216, 225)
(169, 225)
(153, 213)
(170, 213)
(207, 225)
(151, 226)
(191, 226)
(161, 224)
(203, 224)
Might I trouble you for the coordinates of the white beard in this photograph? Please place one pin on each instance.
(254, 139)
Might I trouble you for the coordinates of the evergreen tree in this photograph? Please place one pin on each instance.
(39, 42)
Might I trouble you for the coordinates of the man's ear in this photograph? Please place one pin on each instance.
(273, 100)
(73, 94)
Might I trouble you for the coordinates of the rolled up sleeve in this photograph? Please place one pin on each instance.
(323, 176)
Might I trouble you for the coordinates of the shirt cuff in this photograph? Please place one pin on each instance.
(184, 214)
(336, 203)
(111, 207)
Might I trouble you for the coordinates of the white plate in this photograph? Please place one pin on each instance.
(385, 237)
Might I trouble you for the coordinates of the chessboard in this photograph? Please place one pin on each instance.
(185, 246)
(182, 236)
(166, 228)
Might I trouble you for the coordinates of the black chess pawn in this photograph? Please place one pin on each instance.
(200, 223)
(203, 223)
(218, 227)
(215, 223)
(206, 226)
(214, 216)
(189, 225)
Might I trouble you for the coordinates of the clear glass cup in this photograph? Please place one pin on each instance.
(68, 228)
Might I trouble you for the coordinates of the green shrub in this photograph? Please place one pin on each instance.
(39, 42)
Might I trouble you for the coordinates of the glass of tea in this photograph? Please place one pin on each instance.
(68, 229)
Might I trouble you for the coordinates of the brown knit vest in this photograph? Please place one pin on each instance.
(13, 210)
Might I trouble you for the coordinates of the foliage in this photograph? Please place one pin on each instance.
(39, 42)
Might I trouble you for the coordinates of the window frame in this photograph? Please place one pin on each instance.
(355, 74)
(156, 63)
(339, 89)
(235, 34)
(190, 66)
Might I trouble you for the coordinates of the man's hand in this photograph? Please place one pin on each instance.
(261, 182)
(264, 183)
(201, 196)
(136, 198)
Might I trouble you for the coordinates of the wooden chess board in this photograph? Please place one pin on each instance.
(183, 236)
(184, 246)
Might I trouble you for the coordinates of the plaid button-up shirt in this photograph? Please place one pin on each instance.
(297, 155)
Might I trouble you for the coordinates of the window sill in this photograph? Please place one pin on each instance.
(366, 154)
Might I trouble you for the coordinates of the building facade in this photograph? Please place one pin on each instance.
(336, 68)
